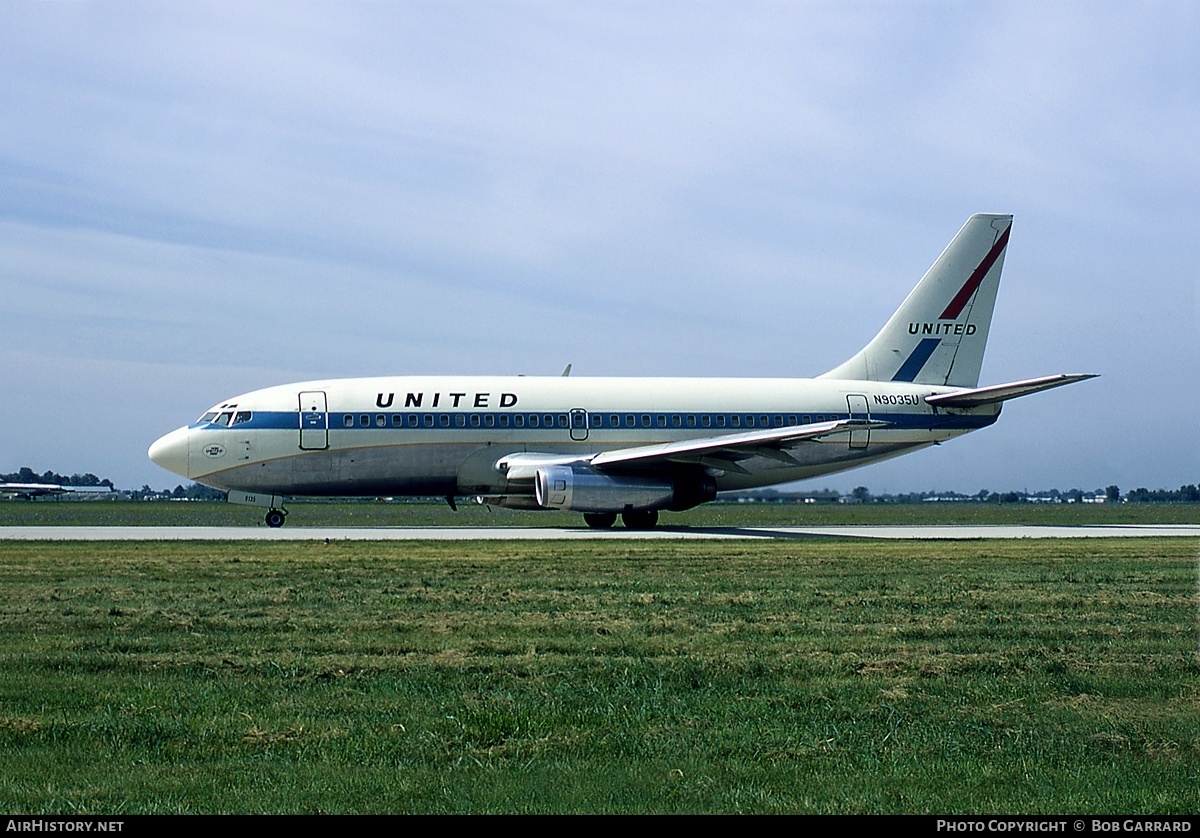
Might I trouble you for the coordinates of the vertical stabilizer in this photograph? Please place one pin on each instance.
(938, 334)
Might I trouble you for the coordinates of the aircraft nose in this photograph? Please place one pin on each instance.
(171, 452)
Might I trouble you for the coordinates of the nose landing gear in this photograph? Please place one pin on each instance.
(275, 518)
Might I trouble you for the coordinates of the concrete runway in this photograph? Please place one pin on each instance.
(552, 533)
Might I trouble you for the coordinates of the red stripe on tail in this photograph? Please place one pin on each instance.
(972, 284)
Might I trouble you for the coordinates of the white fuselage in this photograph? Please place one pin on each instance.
(446, 435)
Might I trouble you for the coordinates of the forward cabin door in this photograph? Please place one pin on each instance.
(314, 421)
(859, 410)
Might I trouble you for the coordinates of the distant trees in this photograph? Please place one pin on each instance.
(1111, 494)
(1186, 494)
(28, 475)
(861, 494)
(192, 491)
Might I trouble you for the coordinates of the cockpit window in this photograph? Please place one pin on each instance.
(223, 419)
(208, 417)
(241, 416)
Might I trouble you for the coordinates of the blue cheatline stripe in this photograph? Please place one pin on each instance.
(546, 420)
(909, 369)
(289, 421)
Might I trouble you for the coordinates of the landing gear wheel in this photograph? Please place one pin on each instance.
(641, 519)
(600, 520)
(275, 518)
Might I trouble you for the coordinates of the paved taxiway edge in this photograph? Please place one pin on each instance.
(560, 533)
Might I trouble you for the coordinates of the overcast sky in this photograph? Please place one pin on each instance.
(201, 199)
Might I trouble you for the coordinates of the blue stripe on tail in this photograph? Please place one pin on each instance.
(912, 367)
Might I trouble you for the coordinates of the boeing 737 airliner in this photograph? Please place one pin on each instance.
(620, 446)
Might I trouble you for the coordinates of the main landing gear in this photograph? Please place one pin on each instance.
(599, 520)
(275, 518)
(642, 519)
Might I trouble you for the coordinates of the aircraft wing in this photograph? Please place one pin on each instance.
(1003, 392)
(724, 451)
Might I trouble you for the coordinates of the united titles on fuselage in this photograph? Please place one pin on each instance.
(482, 401)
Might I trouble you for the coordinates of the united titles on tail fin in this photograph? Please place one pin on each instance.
(938, 334)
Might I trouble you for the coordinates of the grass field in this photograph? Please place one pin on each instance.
(815, 676)
(470, 514)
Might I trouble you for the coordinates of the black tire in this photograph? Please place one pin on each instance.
(641, 519)
(600, 520)
(275, 519)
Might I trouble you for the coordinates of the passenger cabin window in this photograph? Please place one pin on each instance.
(347, 421)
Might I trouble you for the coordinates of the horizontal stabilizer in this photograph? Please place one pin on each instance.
(1003, 392)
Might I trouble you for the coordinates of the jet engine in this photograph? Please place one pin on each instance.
(583, 489)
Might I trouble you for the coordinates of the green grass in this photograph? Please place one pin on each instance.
(814, 676)
(470, 514)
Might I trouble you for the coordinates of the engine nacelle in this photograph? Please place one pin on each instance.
(586, 490)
